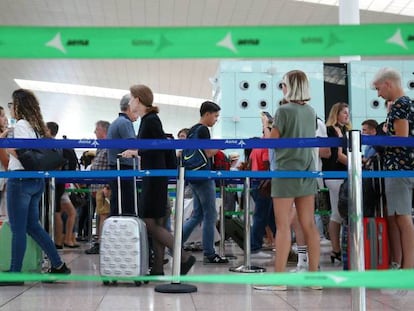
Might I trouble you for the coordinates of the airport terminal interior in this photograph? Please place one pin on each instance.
(209, 296)
(77, 92)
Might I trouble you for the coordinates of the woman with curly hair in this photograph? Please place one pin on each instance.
(23, 194)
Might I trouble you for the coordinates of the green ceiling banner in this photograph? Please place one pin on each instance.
(207, 42)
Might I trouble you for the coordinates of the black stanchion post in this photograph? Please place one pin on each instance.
(247, 267)
(176, 287)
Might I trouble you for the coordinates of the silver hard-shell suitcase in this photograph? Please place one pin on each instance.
(124, 248)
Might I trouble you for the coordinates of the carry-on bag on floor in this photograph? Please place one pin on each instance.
(234, 228)
(375, 228)
(33, 259)
(124, 248)
(376, 243)
(376, 247)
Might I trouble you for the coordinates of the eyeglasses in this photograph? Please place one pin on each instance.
(9, 105)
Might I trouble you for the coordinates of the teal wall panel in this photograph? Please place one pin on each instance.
(244, 88)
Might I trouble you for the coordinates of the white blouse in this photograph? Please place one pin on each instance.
(22, 129)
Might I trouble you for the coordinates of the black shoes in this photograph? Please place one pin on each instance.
(193, 247)
(215, 259)
(81, 239)
(67, 245)
(94, 250)
(186, 266)
(336, 256)
(63, 269)
(71, 246)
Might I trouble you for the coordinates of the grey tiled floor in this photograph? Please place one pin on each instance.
(94, 296)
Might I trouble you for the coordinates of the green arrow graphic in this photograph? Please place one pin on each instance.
(206, 42)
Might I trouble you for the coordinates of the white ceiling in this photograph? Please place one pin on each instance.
(188, 77)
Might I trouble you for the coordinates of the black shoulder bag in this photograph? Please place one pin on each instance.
(35, 159)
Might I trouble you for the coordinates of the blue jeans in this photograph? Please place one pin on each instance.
(23, 197)
(263, 216)
(204, 210)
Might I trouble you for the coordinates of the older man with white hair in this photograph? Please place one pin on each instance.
(400, 122)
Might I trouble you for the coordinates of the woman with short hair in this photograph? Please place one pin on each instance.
(295, 119)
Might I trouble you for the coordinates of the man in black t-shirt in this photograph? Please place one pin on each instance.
(204, 191)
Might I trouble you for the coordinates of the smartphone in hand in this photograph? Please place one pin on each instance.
(268, 116)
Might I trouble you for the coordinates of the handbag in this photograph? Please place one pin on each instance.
(78, 199)
(322, 201)
(34, 159)
(370, 203)
(343, 200)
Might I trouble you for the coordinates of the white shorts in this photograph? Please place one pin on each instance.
(333, 185)
(65, 198)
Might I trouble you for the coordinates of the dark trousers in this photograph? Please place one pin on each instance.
(263, 216)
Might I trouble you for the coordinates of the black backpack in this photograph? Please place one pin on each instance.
(195, 159)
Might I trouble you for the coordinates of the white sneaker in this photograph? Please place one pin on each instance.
(299, 269)
(261, 255)
(325, 242)
(273, 288)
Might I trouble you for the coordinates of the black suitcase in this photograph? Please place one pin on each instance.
(234, 228)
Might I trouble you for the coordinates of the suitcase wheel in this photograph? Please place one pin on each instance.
(106, 283)
(146, 282)
(137, 283)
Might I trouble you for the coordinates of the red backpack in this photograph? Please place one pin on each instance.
(221, 162)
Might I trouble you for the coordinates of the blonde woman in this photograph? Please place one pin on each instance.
(295, 119)
(337, 125)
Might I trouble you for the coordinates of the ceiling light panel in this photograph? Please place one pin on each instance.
(85, 90)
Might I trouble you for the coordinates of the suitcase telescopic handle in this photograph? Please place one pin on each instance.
(134, 167)
(118, 179)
